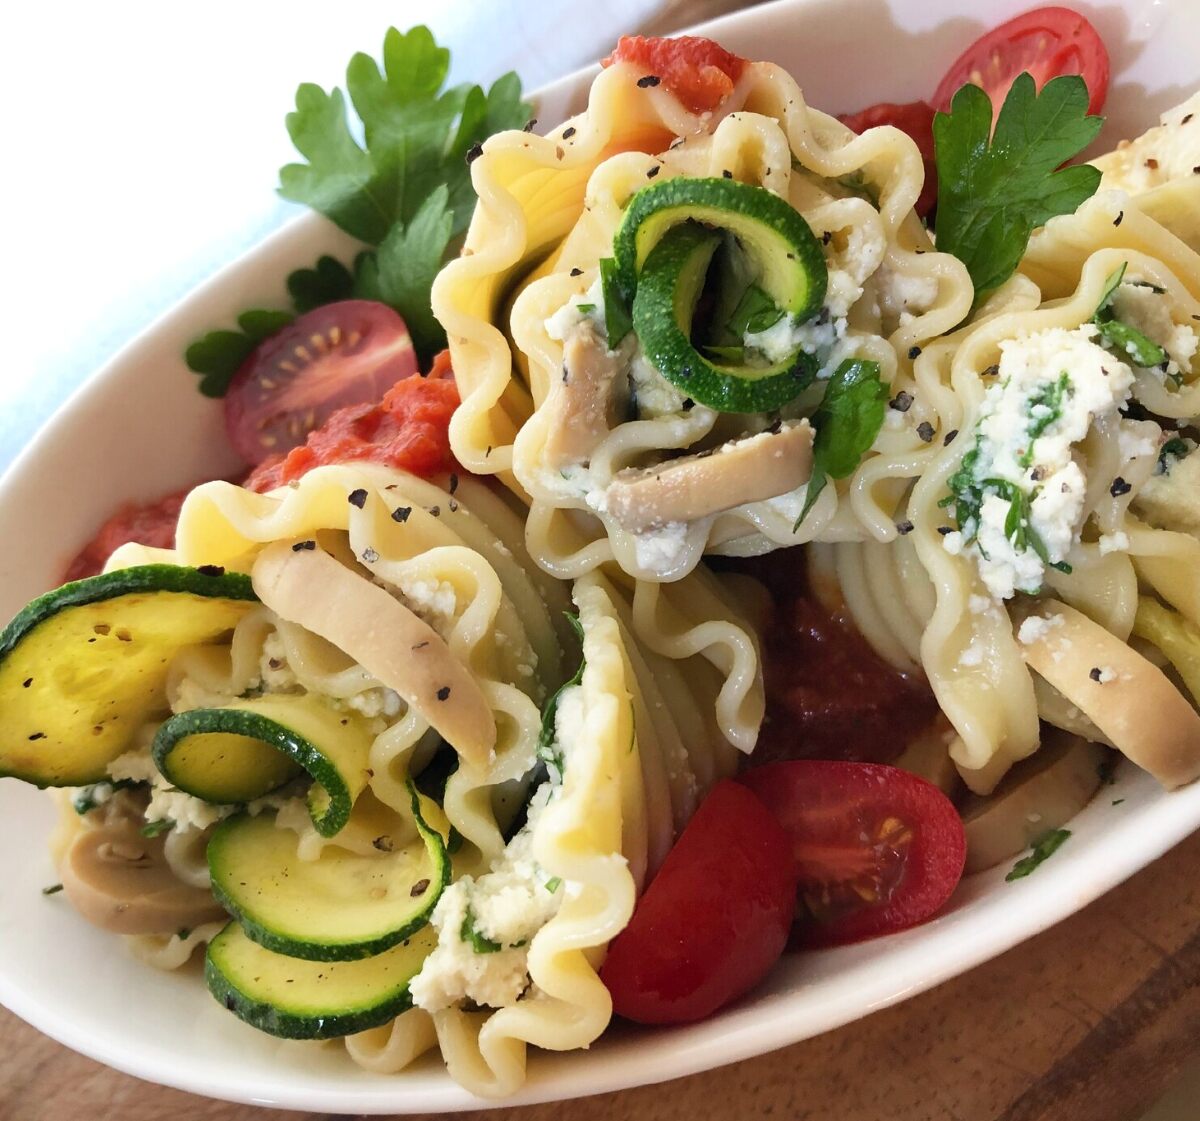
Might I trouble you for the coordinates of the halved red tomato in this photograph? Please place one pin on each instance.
(1047, 42)
(875, 848)
(916, 119)
(348, 353)
(713, 921)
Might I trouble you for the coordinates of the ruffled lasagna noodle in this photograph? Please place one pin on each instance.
(1088, 655)
(549, 208)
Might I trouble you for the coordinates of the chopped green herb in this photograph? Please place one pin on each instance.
(1043, 848)
(585, 309)
(1117, 801)
(87, 798)
(618, 320)
(1127, 341)
(53, 889)
(1171, 453)
(553, 884)
(183, 933)
(995, 189)
(846, 422)
(755, 312)
(548, 750)
(157, 828)
(1049, 400)
(479, 943)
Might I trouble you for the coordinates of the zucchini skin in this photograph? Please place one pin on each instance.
(69, 706)
(283, 739)
(666, 344)
(124, 581)
(277, 1020)
(740, 201)
(290, 945)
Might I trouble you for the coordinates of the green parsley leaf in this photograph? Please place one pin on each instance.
(846, 422)
(548, 750)
(553, 884)
(327, 282)
(1045, 407)
(584, 309)
(755, 312)
(1171, 453)
(618, 321)
(219, 354)
(1043, 848)
(157, 828)
(994, 190)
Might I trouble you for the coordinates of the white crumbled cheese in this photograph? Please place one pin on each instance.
(380, 701)
(435, 601)
(841, 293)
(973, 655)
(1091, 382)
(1148, 310)
(1169, 151)
(1113, 543)
(658, 549)
(979, 605)
(823, 336)
(508, 905)
(655, 396)
(1136, 438)
(1036, 628)
(568, 317)
(902, 294)
(1106, 674)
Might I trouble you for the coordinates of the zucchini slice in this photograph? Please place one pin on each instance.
(294, 999)
(668, 290)
(239, 753)
(84, 666)
(339, 907)
(771, 231)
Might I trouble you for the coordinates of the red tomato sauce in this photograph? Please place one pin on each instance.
(829, 695)
(408, 429)
(152, 523)
(698, 71)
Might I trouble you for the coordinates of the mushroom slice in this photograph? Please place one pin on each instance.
(309, 587)
(751, 469)
(1129, 699)
(119, 880)
(1040, 793)
(588, 402)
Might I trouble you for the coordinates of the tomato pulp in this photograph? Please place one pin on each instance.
(713, 921)
(699, 72)
(876, 849)
(408, 429)
(150, 523)
(1046, 42)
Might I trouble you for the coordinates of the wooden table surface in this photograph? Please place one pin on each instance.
(1090, 1021)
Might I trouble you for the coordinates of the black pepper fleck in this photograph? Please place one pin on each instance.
(1186, 119)
(357, 498)
(902, 402)
(1094, 673)
(948, 439)
(401, 514)
(653, 171)
(727, 174)
(211, 570)
(991, 371)
(913, 352)
(944, 529)
(27, 682)
(826, 237)
(688, 405)
(904, 528)
(925, 431)
(577, 272)
(453, 483)
(369, 555)
(1119, 487)
(474, 152)
(443, 692)
(568, 132)
(452, 506)
(1119, 218)
(38, 736)
(1037, 474)
(421, 645)
(419, 888)
(649, 81)
(529, 125)
(383, 843)
(435, 511)
(304, 546)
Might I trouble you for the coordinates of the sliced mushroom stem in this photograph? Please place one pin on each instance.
(751, 469)
(588, 401)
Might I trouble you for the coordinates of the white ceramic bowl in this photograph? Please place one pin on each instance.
(139, 428)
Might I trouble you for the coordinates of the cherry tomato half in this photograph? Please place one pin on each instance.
(348, 353)
(916, 119)
(1047, 42)
(876, 849)
(713, 921)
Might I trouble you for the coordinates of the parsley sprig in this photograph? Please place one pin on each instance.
(394, 173)
(846, 422)
(1127, 341)
(1043, 848)
(994, 190)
